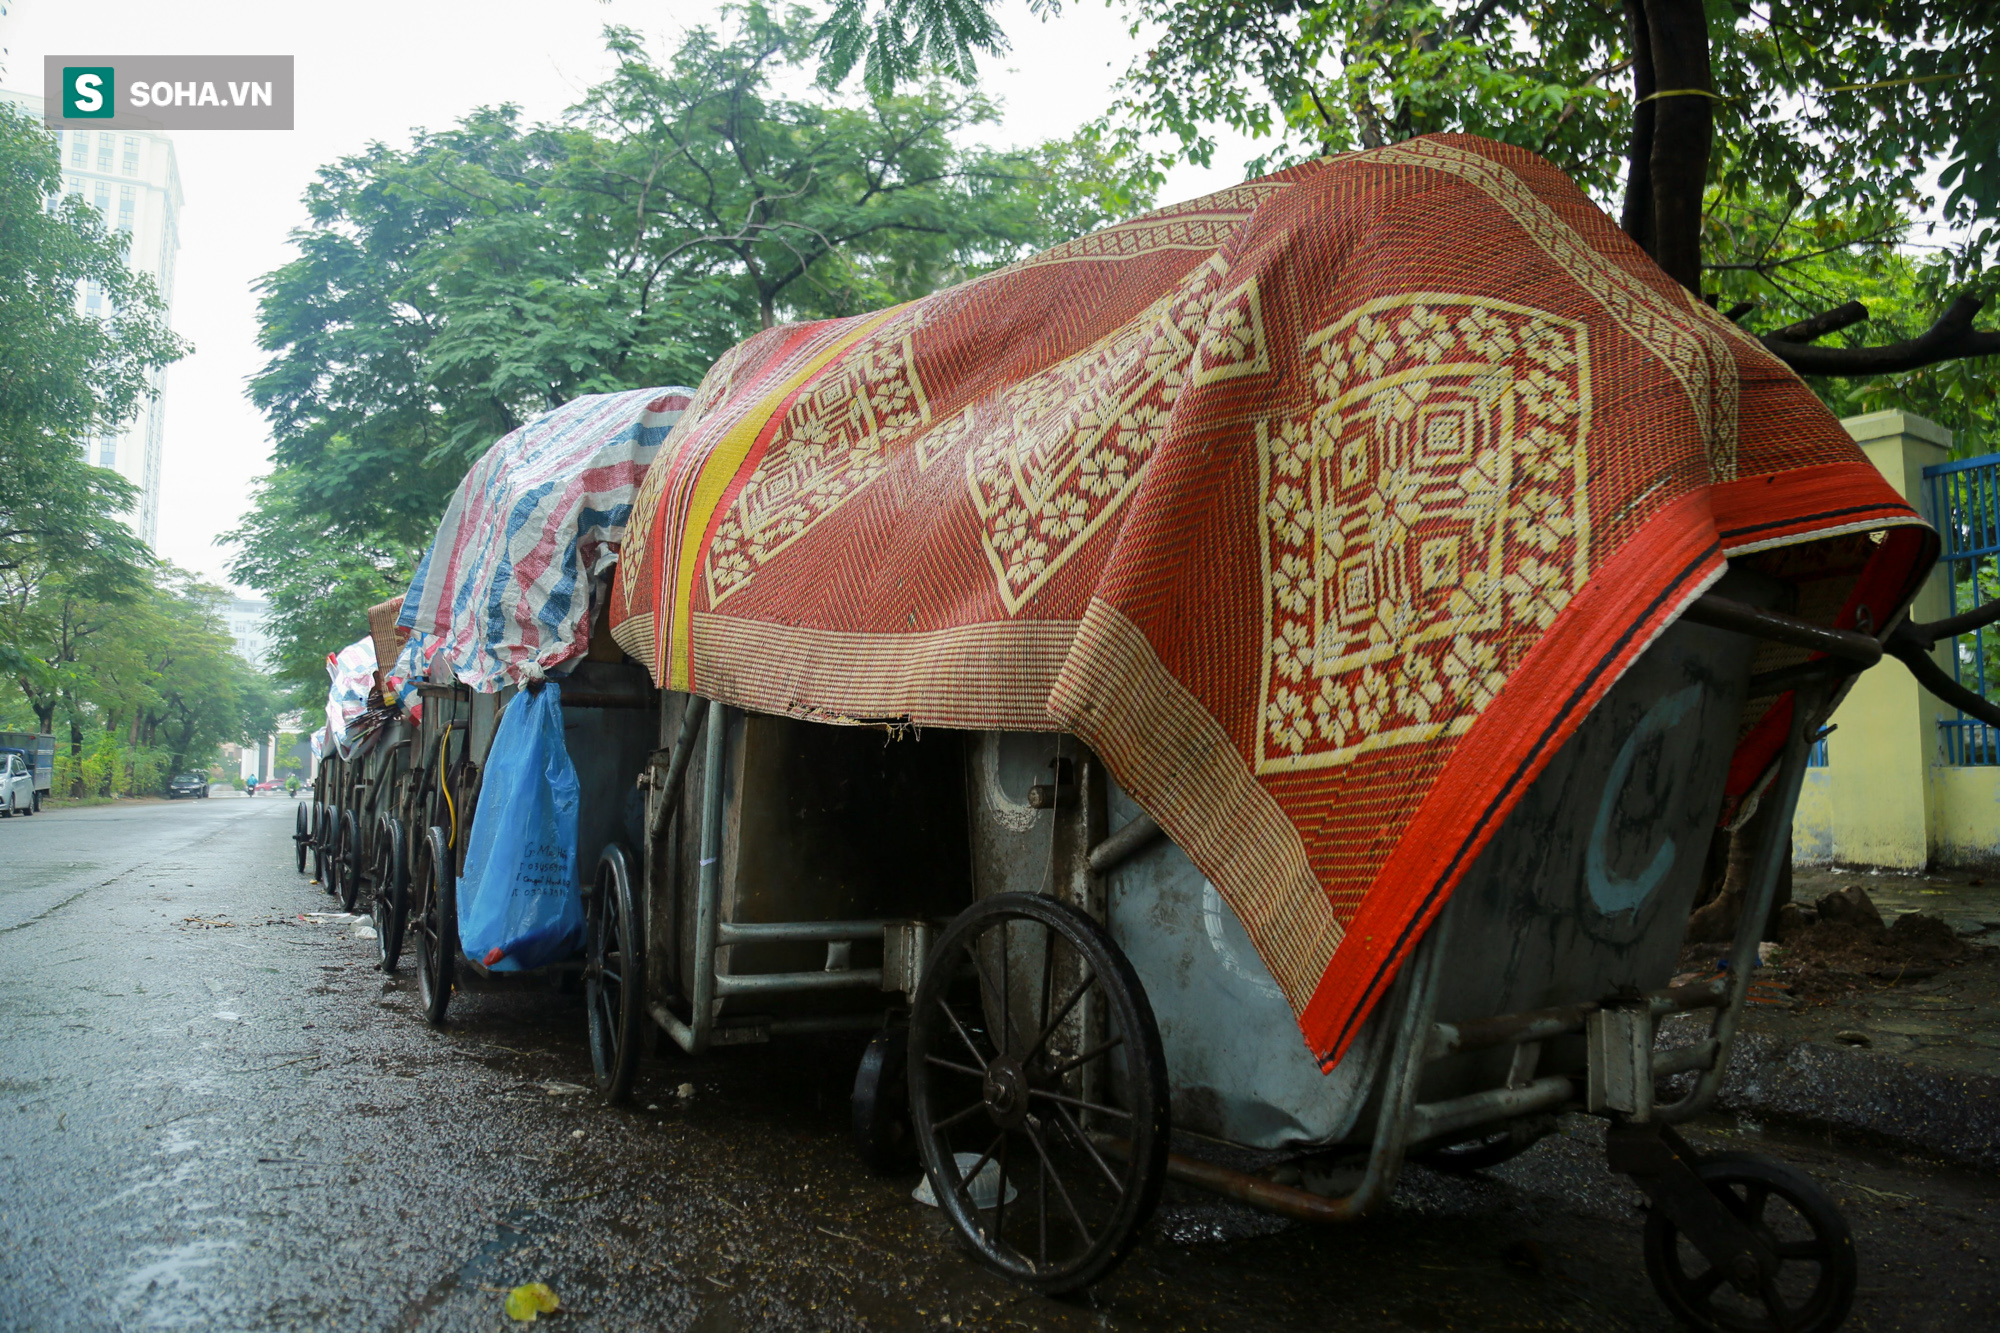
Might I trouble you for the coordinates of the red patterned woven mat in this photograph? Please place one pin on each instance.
(1323, 508)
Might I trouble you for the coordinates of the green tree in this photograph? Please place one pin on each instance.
(321, 576)
(1686, 103)
(64, 374)
(145, 687)
(447, 293)
(807, 206)
(1826, 271)
(192, 693)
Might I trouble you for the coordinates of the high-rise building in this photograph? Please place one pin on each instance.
(129, 176)
(248, 619)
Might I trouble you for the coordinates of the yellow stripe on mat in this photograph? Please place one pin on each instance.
(717, 471)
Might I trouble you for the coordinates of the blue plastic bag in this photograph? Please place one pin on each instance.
(518, 902)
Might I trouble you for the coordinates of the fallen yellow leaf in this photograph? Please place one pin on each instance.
(530, 1299)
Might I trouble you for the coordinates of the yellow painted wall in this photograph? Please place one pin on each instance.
(1812, 825)
(1965, 827)
(1886, 798)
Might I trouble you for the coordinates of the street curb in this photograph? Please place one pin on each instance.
(1909, 1105)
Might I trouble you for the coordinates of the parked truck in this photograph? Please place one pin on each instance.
(38, 752)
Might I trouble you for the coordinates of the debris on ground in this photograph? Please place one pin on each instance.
(1839, 943)
(530, 1299)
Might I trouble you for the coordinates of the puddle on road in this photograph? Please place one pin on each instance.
(165, 1293)
(41, 877)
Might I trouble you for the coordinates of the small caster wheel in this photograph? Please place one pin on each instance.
(881, 1104)
(1488, 1149)
(1811, 1289)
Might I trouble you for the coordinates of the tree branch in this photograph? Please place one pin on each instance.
(1832, 321)
(1951, 338)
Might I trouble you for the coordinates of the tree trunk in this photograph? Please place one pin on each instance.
(1673, 129)
(75, 757)
(180, 749)
(1638, 213)
(1683, 131)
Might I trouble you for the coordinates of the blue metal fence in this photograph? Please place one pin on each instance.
(1965, 505)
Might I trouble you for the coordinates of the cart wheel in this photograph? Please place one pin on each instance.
(323, 847)
(330, 862)
(302, 835)
(882, 1103)
(1813, 1286)
(325, 820)
(347, 852)
(1038, 1090)
(614, 976)
(435, 900)
(1488, 1149)
(392, 891)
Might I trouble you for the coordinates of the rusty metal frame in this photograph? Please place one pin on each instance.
(707, 986)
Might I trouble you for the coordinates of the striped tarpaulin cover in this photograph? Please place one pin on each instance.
(351, 673)
(506, 584)
(412, 666)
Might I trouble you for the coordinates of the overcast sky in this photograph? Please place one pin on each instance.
(375, 69)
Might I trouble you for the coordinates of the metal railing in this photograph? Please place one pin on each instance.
(1965, 505)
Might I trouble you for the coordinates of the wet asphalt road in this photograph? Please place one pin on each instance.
(216, 1114)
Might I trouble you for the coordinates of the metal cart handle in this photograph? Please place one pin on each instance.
(1910, 643)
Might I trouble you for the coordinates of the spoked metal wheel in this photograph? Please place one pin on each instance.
(329, 841)
(1813, 1285)
(614, 976)
(1038, 1090)
(434, 913)
(347, 852)
(331, 863)
(392, 890)
(302, 834)
(321, 858)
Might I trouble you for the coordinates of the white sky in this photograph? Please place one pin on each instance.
(375, 69)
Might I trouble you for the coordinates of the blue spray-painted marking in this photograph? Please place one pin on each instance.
(1614, 894)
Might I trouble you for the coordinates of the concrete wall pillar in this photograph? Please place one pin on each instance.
(1880, 761)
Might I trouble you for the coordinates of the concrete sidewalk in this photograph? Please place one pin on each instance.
(1909, 1060)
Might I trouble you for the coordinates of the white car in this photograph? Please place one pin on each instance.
(17, 787)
